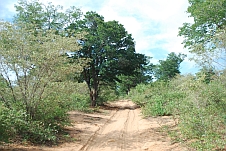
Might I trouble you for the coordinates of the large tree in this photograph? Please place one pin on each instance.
(110, 50)
(202, 36)
(169, 68)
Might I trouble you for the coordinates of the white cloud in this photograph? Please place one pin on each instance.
(141, 17)
(153, 23)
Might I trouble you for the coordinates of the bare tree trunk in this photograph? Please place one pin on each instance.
(93, 98)
(94, 95)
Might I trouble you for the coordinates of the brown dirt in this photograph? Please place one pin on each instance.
(117, 127)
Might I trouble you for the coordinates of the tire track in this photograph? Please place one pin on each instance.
(124, 131)
(85, 147)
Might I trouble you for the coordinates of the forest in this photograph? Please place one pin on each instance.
(54, 61)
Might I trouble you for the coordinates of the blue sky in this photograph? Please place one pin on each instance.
(153, 23)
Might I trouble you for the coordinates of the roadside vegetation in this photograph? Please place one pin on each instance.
(197, 102)
(198, 108)
(53, 62)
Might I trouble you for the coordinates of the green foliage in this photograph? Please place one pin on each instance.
(7, 119)
(45, 17)
(155, 107)
(156, 98)
(107, 93)
(141, 94)
(169, 68)
(17, 123)
(36, 131)
(205, 34)
(207, 74)
(35, 98)
(209, 15)
(199, 107)
(110, 49)
(80, 102)
(141, 75)
(126, 83)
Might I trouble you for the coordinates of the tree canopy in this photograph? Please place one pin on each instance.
(110, 49)
(209, 16)
(203, 37)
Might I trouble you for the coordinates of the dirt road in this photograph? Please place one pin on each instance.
(120, 127)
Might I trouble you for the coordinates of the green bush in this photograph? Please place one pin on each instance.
(107, 93)
(7, 119)
(201, 113)
(199, 107)
(42, 127)
(37, 132)
(157, 99)
(140, 94)
(155, 108)
(79, 102)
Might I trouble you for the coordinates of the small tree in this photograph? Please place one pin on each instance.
(31, 61)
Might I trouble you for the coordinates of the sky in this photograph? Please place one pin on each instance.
(153, 23)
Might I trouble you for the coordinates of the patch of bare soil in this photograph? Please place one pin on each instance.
(118, 126)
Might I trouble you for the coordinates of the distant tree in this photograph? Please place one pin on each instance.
(207, 74)
(142, 75)
(110, 50)
(169, 68)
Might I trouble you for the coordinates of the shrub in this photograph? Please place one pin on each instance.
(140, 94)
(80, 102)
(6, 126)
(199, 107)
(155, 107)
(107, 93)
(201, 113)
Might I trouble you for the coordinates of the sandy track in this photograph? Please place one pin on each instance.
(120, 127)
(117, 134)
(126, 130)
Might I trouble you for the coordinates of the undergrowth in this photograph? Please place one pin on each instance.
(47, 119)
(199, 107)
